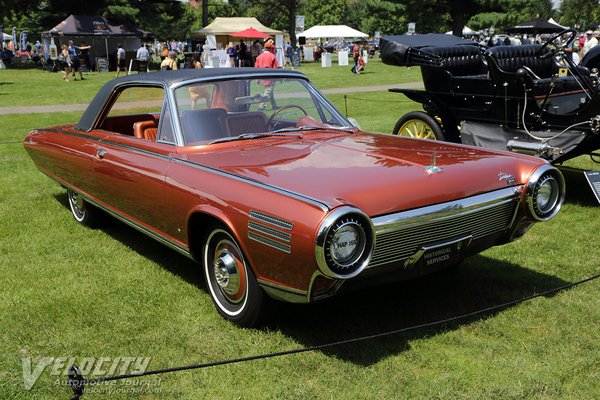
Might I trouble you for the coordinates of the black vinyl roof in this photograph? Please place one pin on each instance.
(395, 50)
(170, 78)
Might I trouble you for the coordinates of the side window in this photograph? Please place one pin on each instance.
(135, 111)
(165, 128)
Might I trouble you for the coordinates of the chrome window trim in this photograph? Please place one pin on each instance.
(116, 93)
(393, 222)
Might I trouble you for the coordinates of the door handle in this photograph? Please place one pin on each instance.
(100, 153)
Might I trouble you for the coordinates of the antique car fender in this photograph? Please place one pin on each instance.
(592, 58)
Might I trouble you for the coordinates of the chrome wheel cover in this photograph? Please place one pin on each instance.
(77, 204)
(226, 272)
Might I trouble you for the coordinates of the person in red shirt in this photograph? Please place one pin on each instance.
(267, 59)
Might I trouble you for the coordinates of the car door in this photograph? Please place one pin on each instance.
(130, 171)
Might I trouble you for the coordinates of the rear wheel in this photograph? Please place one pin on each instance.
(83, 212)
(419, 125)
(231, 282)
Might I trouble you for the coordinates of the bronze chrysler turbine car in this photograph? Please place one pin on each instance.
(254, 174)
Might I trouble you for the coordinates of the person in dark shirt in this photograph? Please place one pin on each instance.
(74, 56)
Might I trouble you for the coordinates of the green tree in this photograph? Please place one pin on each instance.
(579, 13)
(278, 14)
(318, 12)
(372, 16)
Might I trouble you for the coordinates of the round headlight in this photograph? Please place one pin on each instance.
(347, 241)
(344, 243)
(545, 193)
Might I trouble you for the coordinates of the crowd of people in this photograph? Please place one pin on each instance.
(576, 51)
(171, 55)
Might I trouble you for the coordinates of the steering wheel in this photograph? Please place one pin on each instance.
(554, 41)
(279, 110)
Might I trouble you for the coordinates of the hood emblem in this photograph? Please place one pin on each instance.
(433, 169)
(503, 176)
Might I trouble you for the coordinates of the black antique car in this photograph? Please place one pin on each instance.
(530, 98)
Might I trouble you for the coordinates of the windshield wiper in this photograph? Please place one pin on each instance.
(297, 128)
(248, 136)
(347, 129)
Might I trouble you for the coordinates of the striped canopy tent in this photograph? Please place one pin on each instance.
(224, 26)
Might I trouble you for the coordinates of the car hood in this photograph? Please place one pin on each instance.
(377, 173)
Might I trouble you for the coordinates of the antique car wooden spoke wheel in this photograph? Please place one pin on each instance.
(231, 283)
(83, 212)
(419, 125)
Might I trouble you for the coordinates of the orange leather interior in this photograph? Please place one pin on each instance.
(145, 130)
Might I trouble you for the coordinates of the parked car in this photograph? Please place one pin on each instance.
(255, 175)
(530, 99)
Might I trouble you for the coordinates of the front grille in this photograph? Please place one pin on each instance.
(478, 217)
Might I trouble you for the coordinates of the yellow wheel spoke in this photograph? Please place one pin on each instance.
(416, 128)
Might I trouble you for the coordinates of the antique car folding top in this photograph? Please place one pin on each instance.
(530, 99)
(254, 174)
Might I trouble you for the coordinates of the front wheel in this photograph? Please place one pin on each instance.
(419, 125)
(230, 280)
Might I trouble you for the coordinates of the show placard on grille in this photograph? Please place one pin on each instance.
(593, 178)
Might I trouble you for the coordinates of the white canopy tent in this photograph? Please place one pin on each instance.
(332, 31)
(466, 32)
(6, 37)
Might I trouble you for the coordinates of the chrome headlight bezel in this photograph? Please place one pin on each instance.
(350, 222)
(545, 193)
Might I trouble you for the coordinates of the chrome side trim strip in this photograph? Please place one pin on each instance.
(284, 293)
(278, 222)
(317, 203)
(393, 222)
(159, 238)
(144, 230)
(321, 205)
(270, 242)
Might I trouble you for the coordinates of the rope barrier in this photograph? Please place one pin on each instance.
(78, 382)
(369, 100)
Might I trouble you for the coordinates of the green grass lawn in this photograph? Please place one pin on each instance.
(68, 291)
(34, 87)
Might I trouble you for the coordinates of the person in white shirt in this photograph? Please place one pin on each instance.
(142, 57)
(590, 41)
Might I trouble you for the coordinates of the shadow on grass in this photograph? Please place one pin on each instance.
(481, 282)
(168, 259)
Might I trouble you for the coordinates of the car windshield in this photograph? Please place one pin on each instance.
(219, 111)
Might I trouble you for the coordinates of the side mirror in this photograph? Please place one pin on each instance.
(354, 123)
